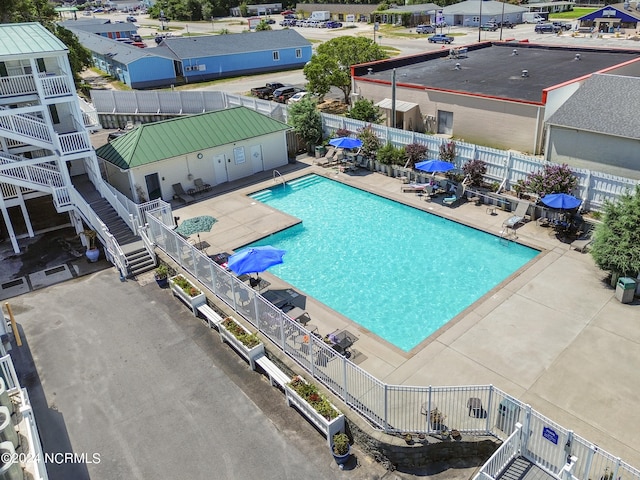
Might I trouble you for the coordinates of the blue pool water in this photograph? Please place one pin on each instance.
(398, 271)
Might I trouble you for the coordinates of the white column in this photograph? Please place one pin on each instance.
(7, 222)
(25, 213)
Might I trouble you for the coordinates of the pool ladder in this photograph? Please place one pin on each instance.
(276, 175)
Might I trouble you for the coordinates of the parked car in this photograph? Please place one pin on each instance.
(270, 21)
(562, 25)
(546, 28)
(286, 13)
(506, 24)
(489, 27)
(425, 29)
(290, 16)
(282, 94)
(131, 19)
(333, 24)
(98, 10)
(296, 97)
(440, 38)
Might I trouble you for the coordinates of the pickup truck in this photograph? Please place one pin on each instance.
(266, 92)
(440, 38)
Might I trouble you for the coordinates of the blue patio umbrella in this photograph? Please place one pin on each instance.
(345, 142)
(433, 166)
(561, 201)
(255, 259)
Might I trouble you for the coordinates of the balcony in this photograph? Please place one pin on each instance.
(53, 85)
(17, 85)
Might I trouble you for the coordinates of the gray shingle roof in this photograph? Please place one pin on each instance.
(606, 104)
(120, 52)
(95, 26)
(233, 44)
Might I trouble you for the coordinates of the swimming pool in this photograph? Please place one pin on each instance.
(398, 271)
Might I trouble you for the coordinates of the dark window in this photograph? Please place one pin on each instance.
(54, 114)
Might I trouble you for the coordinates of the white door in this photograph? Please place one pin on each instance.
(256, 158)
(220, 168)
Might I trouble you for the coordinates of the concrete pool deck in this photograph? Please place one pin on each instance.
(552, 335)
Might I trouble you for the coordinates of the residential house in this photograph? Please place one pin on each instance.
(210, 57)
(45, 150)
(133, 66)
(103, 27)
(217, 147)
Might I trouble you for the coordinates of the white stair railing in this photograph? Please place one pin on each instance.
(43, 175)
(26, 126)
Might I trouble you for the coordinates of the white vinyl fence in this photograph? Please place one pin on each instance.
(502, 166)
(471, 409)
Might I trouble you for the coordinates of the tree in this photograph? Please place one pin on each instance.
(616, 242)
(79, 57)
(370, 141)
(415, 152)
(331, 64)
(262, 26)
(306, 120)
(364, 109)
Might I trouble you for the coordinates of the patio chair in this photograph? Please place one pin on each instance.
(181, 194)
(456, 197)
(200, 186)
(581, 244)
(518, 216)
(328, 157)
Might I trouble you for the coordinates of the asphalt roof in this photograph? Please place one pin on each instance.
(233, 44)
(92, 26)
(27, 38)
(118, 51)
(494, 70)
(603, 104)
(178, 136)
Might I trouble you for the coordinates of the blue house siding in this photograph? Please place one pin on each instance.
(221, 66)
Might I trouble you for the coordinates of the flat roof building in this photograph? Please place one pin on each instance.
(495, 94)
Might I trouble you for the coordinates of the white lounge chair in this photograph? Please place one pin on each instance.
(518, 216)
(328, 157)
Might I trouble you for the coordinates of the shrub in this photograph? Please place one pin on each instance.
(309, 392)
(448, 151)
(186, 286)
(342, 132)
(370, 141)
(415, 152)
(390, 155)
(249, 340)
(551, 179)
(475, 170)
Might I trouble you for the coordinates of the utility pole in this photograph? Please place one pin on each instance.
(501, 20)
(480, 23)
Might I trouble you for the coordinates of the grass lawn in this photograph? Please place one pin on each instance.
(573, 14)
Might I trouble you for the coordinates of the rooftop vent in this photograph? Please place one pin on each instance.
(370, 70)
(577, 56)
(525, 73)
(515, 51)
(458, 67)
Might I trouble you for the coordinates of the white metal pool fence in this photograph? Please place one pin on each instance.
(395, 409)
(502, 165)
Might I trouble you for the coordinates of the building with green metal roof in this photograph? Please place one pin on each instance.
(216, 147)
(13, 41)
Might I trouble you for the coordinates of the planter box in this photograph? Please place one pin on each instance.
(249, 354)
(328, 427)
(192, 302)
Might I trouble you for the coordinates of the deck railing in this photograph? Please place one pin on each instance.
(43, 174)
(17, 85)
(55, 85)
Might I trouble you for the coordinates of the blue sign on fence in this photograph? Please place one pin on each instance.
(550, 435)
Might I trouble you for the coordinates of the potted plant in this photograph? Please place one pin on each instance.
(314, 405)
(162, 275)
(341, 449)
(92, 252)
(437, 420)
(247, 344)
(187, 292)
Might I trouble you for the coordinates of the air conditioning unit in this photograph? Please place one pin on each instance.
(7, 429)
(118, 70)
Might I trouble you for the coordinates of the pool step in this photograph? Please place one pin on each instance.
(293, 185)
